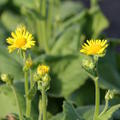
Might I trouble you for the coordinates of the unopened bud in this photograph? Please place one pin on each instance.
(28, 64)
(7, 78)
(109, 95)
(46, 80)
(42, 77)
(42, 70)
(88, 64)
(36, 77)
(4, 77)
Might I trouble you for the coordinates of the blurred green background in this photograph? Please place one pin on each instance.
(59, 28)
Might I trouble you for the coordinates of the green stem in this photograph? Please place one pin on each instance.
(31, 79)
(44, 106)
(17, 102)
(28, 103)
(97, 99)
(40, 108)
(105, 108)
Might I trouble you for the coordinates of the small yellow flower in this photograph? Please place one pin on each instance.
(20, 39)
(42, 70)
(94, 47)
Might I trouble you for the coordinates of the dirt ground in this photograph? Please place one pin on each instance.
(111, 9)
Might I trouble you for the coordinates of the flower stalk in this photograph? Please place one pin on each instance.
(28, 103)
(95, 49)
(40, 108)
(97, 99)
(43, 81)
(26, 69)
(44, 103)
(21, 39)
(17, 102)
(8, 79)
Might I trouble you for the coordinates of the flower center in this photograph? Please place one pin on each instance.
(95, 49)
(19, 43)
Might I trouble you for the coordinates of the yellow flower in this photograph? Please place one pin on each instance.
(94, 47)
(42, 70)
(20, 39)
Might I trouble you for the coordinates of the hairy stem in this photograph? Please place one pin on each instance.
(44, 106)
(28, 103)
(97, 99)
(40, 109)
(105, 108)
(17, 102)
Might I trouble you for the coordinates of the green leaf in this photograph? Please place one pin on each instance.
(3, 33)
(100, 22)
(13, 22)
(67, 43)
(68, 9)
(96, 23)
(108, 73)
(87, 112)
(11, 64)
(3, 2)
(84, 95)
(108, 114)
(64, 42)
(69, 112)
(67, 74)
(24, 3)
(7, 100)
(59, 116)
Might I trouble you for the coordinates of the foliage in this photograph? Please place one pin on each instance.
(60, 27)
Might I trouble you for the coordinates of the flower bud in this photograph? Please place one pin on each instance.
(28, 64)
(109, 95)
(42, 70)
(88, 64)
(42, 77)
(46, 80)
(36, 77)
(7, 78)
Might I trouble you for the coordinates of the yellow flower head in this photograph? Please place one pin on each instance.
(20, 39)
(42, 70)
(94, 47)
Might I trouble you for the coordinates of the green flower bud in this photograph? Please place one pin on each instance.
(42, 77)
(28, 64)
(88, 64)
(109, 95)
(44, 82)
(36, 77)
(7, 78)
